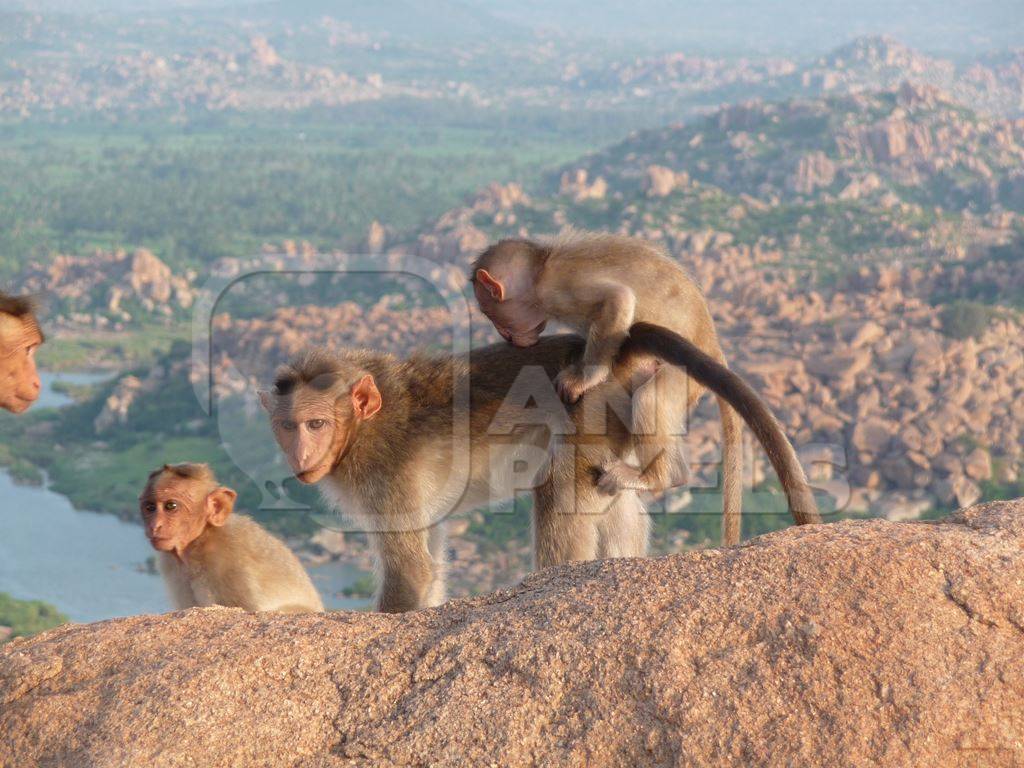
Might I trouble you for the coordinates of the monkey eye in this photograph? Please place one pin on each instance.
(289, 426)
(170, 506)
(315, 424)
(149, 507)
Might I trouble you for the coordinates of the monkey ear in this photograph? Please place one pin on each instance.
(219, 505)
(366, 399)
(492, 284)
(266, 399)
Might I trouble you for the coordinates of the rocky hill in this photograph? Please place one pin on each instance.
(857, 643)
(863, 258)
(992, 83)
(912, 141)
(109, 289)
(261, 60)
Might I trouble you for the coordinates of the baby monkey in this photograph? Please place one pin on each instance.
(208, 556)
(600, 284)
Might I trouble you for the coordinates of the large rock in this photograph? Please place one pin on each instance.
(858, 643)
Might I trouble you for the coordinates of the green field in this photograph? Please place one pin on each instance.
(222, 186)
(27, 617)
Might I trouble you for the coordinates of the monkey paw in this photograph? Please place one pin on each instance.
(571, 382)
(618, 476)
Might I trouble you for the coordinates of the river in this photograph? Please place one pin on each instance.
(91, 566)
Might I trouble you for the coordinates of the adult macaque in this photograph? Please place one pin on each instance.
(382, 436)
(20, 337)
(209, 556)
(600, 284)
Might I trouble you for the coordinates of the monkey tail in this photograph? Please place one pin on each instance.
(650, 339)
(732, 472)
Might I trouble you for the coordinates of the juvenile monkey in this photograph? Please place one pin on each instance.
(600, 284)
(381, 437)
(20, 337)
(208, 556)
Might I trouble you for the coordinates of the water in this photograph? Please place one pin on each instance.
(86, 564)
(91, 566)
(50, 399)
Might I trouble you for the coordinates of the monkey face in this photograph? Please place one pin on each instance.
(519, 321)
(176, 510)
(311, 438)
(19, 379)
(314, 427)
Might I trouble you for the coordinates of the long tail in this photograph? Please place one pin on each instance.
(732, 472)
(650, 339)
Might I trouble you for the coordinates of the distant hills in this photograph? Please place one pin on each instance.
(792, 27)
(789, 26)
(992, 82)
(289, 57)
(438, 20)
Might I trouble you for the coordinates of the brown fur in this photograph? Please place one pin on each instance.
(234, 562)
(600, 284)
(648, 339)
(393, 470)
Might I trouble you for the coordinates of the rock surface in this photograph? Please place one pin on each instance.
(857, 643)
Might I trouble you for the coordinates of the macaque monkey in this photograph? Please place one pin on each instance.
(209, 556)
(20, 337)
(600, 284)
(381, 437)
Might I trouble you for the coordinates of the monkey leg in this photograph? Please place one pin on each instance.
(659, 410)
(567, 509)
(624, 530)
(408, 571)
(437, 544)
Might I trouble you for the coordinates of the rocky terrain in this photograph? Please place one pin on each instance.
(836, 241)
(252, 77)
(912, 139)
(784, 651)
(992, 83)
(863, 256)
(191, 65)
(109, 289)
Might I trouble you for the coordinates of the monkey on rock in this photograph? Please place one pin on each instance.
(599, 285)
(209, 556)
(391, 446)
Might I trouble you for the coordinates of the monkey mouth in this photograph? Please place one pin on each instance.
(524, 342)
(313, 474)
(21, 404)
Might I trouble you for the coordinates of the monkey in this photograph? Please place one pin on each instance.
(600, 284)
(380, 437)
(209, 556)
(20, 337)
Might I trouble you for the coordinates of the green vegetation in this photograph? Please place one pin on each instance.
(197, 192)
(87, 350)
(966, 319)
(363, 587)
(27, 617)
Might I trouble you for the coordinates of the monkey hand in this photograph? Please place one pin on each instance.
(616, 475)
(573, 381)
